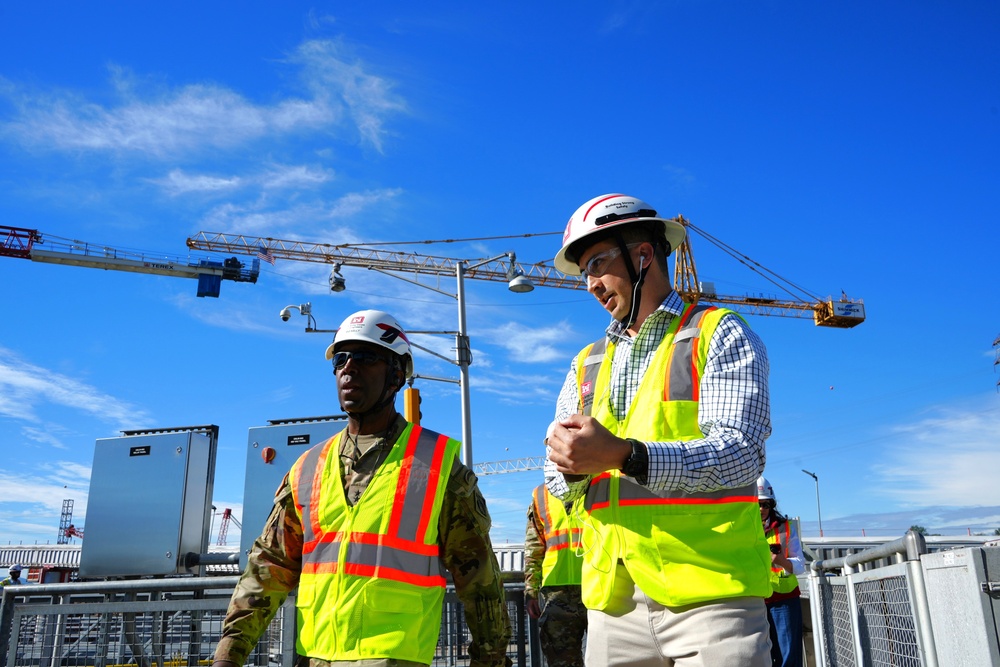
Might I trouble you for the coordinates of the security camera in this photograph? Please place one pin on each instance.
(285, 314)
(337, 282)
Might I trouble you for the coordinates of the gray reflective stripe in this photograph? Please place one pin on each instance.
(600, 493)
(417, 487)
(304, 482)
(591, 368)
(380, 555)
(558, 540)
(324, 552)
(682, 355)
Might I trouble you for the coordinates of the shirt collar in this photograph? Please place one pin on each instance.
(672, 306)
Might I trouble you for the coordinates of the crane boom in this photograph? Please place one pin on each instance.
(368, 258)
(511, 465)
(29, 244)
(843, 313)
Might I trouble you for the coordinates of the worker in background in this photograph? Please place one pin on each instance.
(552, 566)
(366, 523)
(661, 425)
(784, 608)
(13, 577)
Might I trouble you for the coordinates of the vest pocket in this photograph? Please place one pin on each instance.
(705, 555)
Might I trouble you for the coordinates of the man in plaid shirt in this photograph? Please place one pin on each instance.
(661, 425)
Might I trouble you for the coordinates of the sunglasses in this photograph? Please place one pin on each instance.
(599, 264)
(360, 357)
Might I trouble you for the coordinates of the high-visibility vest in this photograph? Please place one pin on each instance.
(561, 565)
(781, 581)
(372, 581)
(679, 548)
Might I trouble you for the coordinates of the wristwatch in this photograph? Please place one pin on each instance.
(636, 465)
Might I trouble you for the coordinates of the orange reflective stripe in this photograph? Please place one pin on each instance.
(432, 487)
(626, 502)
(564, 538)
(395, 575)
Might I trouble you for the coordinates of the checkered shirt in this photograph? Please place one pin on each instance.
(733, 411)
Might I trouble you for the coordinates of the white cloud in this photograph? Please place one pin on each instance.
(298, 222)
(201, 117)
(949, 458)
(369, 98)
(24, 386)
(529, 345)
(178, 182)
(298, 176)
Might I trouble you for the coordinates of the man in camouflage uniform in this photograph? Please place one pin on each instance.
(561, 614)
(367, 382)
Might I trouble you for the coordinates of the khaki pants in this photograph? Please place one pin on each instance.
(637, 631)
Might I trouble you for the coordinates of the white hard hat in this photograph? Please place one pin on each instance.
(608, 212)
(14, 568)
(764, 490)
(378, 328)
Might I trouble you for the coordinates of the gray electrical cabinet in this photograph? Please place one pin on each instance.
(271, 452)
(150, 502)
(963, 594)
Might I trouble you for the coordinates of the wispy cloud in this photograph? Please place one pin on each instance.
(318, 221)
(179, 182)
(529, 345)
(948, 458)
(369, 99)
(24, 386)
(165, 123)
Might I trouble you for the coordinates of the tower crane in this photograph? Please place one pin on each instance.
(827, 312)
(227, 516)
(24, 243)
(504, 268)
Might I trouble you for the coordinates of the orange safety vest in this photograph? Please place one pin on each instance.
(372, 581)
(781, 581)
(561, 565)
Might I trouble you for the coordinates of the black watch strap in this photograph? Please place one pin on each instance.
(637, 464)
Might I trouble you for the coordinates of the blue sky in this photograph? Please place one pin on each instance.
(850, 147)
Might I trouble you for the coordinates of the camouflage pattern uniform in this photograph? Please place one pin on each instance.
(274, 563)
(563, 622)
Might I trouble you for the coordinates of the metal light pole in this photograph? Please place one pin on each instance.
(819, 516)
(517, 282)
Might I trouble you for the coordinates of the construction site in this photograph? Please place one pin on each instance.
(155, 594)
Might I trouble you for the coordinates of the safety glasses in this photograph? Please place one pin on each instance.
(599, 264)
(360, 357)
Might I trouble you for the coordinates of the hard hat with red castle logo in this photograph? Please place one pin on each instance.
(378, 328)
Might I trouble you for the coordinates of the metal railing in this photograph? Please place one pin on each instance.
(873, 616)
(178, 622)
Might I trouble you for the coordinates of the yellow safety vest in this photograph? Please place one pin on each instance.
(372, 581)
(561, 565)
(781, 581)
(679, 548)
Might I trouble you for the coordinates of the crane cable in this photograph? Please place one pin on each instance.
(756, 266)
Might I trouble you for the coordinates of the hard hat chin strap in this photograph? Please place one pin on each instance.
(637, 280)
